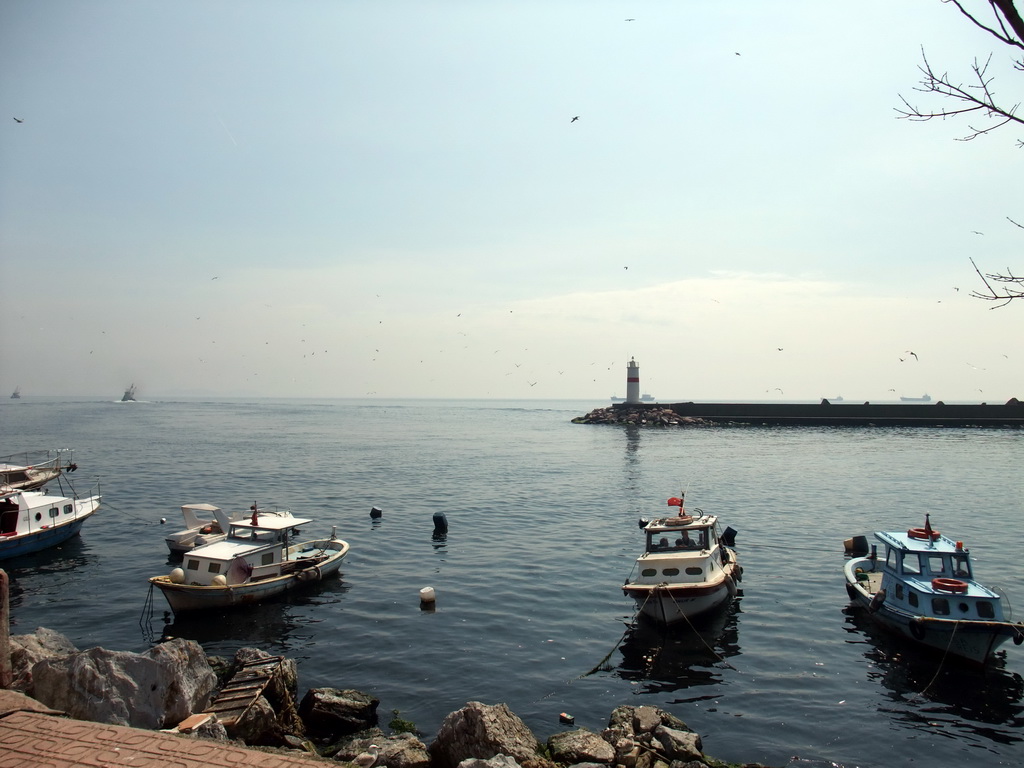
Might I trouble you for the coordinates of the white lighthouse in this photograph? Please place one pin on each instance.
(632, 383)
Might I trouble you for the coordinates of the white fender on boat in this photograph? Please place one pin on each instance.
(177, 576)
(219, 580)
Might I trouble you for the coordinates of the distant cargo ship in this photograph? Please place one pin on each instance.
(921, 399)
(643, 398)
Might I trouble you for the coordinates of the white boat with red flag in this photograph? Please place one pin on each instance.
(688, 566)
(921, 585)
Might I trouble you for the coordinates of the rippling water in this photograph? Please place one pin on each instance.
(543, 530)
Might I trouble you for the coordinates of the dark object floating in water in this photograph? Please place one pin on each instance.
(440, 523)
(376, 512)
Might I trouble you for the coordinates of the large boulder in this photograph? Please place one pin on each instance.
(26, 650)
(483, 731)
(646, 737)
(402, 750)
(580, 746)
(155, 689)
(330, 713)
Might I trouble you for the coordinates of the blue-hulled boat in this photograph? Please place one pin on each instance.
(922, 586)
(35, 520)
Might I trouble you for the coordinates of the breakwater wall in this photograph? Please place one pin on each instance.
(939, 414)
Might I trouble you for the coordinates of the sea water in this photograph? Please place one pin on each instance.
(542, 531)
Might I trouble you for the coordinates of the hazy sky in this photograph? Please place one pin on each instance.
(343, 198)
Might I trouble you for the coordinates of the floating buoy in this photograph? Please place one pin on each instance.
(566, 718)
(163, 520)
(376, 512)
(440, 523)
(427, 595)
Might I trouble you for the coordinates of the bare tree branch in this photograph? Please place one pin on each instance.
(1004, 295)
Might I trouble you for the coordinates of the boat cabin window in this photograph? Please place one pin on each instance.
(649, 572)
(670, 572)
(899, 591)
(912, 598)
(268, 558)
(670, 541)
(68, 509)
(54, 512)
(961, 567)
(940, 606)
(936, 565)
(912, 563)
(214, 568)
(693, 571)
(193, 565)
(985, 609)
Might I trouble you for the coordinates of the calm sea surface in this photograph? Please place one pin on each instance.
(542, 519)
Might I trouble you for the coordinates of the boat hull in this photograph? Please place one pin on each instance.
(669, 604)
(189, 597)
(35, 541)
(971, 639)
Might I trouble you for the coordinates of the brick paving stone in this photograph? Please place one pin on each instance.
(37, 740)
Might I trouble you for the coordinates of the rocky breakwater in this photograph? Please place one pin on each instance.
(174, 687)
(641, 416)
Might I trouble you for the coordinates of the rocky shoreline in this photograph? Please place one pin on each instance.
(172, 686)
(644, 416)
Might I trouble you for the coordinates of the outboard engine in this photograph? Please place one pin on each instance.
(643, 522)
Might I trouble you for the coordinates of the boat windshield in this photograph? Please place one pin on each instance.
(668, 541)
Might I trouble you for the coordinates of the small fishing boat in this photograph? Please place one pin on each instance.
(923, 588)
(208, 524)
(253, 562)
(16, 394)
(129, 394)
(33, 469)
(35, 520)
(687, 568)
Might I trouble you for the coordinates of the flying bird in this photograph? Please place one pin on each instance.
(912, 353)
(575, 119)
(973, 230)
(630, 19)
(18, 120)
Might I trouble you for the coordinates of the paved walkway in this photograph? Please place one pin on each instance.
(33, 736)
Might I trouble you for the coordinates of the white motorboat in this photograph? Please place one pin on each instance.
(253, 562)
(208, 524)
(33, 469)
(35, 520)
(923, 588)
(687, 568)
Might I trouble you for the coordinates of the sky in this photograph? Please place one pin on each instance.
(377, 198)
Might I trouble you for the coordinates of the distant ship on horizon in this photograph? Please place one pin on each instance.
(921, 399)
(16, 394)
(129, 395)
(643, 398)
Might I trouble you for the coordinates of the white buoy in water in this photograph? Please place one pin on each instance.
(427, 595)
(163, 520)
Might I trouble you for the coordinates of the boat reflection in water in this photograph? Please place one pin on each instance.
(681, 656)
(278, 625)
(926, 689)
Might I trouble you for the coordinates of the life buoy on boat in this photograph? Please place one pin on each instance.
(923, 533)
(949, 585)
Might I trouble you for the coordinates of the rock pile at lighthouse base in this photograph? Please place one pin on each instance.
(641, 417)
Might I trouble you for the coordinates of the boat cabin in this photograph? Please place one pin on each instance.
(254, 549)
(29, 512)
(681, 534)
(926, 573)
